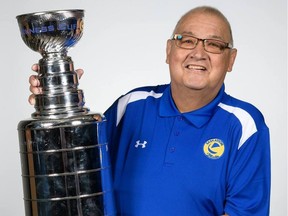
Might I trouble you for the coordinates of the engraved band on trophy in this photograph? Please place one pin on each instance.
(63, 147)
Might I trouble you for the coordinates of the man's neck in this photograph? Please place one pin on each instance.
(188, 100)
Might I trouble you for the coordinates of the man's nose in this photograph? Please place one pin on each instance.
(199, 50)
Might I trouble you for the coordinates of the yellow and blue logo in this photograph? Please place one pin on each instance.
(214, 148)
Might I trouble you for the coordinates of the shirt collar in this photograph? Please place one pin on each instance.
(198, 117)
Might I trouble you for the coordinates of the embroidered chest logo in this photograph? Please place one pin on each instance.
(214, 148)
(143, 144)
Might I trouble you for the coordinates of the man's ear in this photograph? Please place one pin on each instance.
(168, 49)
(233, 54)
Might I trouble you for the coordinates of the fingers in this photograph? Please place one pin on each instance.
(35, 85)
(35, 67)
(79, 72)
(34, 81)
(31, 99)
(35, 88)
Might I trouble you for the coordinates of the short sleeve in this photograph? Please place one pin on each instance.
(248, 189)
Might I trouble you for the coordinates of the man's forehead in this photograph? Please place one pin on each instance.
(207, 36)
(196, 21)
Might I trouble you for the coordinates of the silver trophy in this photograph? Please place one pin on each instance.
(63, 147)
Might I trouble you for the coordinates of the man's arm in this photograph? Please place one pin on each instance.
(248, 191)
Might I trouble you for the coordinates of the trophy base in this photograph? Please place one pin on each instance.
(65, 167)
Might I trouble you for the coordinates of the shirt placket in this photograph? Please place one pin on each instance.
(174, 142)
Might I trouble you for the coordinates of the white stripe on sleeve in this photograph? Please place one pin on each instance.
(246, 120)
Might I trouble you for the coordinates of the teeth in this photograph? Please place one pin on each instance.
(196, 67)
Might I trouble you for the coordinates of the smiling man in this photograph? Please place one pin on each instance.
(188, 148)
(199, 67)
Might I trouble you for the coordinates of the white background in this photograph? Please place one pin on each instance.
(123, 47)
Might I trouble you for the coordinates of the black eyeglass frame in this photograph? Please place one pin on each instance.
(226, 45)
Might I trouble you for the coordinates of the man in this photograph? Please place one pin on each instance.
(188, 148)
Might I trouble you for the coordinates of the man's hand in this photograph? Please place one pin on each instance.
(35, 87)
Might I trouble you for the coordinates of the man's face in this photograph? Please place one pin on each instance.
(197, 69)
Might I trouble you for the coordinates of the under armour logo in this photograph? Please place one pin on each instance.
(138, 143)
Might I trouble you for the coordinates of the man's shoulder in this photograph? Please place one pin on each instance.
(141, 93)
(133, 99)
(155, 88)
(241, 108)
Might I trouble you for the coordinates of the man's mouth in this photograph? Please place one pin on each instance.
(196, 67)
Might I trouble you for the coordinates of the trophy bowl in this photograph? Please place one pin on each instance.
(51, 31)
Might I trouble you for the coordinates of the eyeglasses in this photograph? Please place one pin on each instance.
(210, 45)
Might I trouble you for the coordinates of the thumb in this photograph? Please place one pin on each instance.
(79, 72)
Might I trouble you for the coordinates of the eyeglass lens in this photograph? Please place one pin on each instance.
(190, 42)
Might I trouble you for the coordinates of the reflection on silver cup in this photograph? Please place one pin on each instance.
(63, 147)
(50, 32)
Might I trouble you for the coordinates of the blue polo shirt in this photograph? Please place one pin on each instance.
(205, 162)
